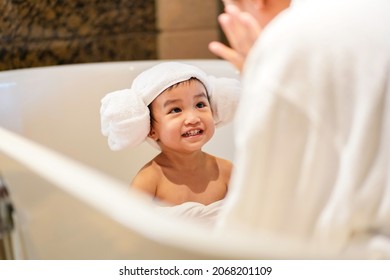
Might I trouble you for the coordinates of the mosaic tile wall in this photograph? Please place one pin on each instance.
(51, 32)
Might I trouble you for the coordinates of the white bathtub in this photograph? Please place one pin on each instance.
(71, 192)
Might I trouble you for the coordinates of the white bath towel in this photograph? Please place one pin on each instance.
(125, 115)
(198, 212)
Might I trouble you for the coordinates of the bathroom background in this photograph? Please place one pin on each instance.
(54, 32)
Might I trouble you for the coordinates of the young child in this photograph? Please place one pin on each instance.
(175, 107)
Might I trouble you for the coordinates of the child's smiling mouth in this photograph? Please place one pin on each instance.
(193, 132)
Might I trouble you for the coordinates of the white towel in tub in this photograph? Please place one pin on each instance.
(205, 214)
(313, 155)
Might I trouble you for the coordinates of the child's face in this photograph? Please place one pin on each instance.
(183, 120)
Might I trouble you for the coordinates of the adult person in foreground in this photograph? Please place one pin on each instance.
(313, 125)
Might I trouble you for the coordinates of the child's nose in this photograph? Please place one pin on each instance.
(191, 117)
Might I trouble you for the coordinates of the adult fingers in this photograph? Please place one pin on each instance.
(252, 32)
(232, 26)
(230, 29)
(251, 25)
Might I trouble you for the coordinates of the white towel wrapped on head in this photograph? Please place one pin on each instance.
(125, 117)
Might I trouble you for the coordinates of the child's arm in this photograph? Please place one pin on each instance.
(146, 181)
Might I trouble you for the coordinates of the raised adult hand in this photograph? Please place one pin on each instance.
(241, 30)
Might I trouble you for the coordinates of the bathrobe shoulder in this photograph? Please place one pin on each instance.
(313, 129)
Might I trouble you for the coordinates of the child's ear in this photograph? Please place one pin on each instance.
(153, 134)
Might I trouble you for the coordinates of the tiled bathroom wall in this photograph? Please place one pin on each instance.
(49, 32)
(53, 32)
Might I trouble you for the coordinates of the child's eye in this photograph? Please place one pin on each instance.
(175, 110)
(201, 105)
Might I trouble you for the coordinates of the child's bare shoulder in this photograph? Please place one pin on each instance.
(147, 178)
(151, 168)
(224, 165)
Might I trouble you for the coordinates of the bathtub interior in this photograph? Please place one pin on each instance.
(71, 192)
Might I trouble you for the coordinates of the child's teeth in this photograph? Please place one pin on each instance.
(193, 132)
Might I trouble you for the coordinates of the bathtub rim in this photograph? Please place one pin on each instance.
(118, 63)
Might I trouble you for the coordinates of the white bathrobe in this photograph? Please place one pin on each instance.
(313, 130)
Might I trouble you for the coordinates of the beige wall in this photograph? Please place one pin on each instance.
(186, 27)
